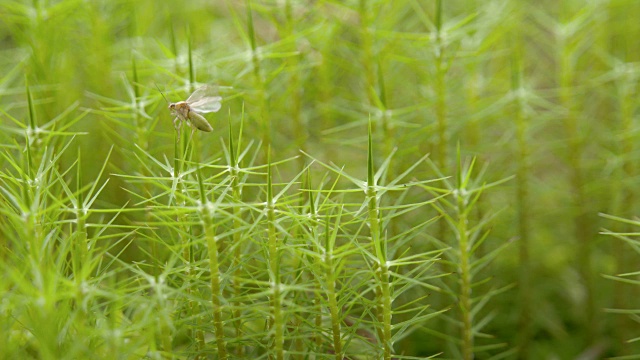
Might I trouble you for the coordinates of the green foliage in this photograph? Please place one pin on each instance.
(386, 179)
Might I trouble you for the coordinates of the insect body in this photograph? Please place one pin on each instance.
(202, 101)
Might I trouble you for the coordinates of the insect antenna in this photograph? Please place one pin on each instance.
(160, 91)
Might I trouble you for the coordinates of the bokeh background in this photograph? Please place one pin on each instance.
(542, 93)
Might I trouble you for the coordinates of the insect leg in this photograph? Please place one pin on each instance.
(177, 124)
(193, 129)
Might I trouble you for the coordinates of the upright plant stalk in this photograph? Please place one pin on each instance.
(441, 95)
(627, 106)
(30, 200)
(181, 156)
(325, 285)
(236, 193)
(462, 255)
(325, 87)
(182, 145)
(31, 129)
(264, 120)
(174, 44)
(80, 236)
(383, 288)
(469, 238)
(277, 321)
(192, 72)
(581, 223)
(214, 268)
(304, 273)
(387, 128)
(440, 155)
(296, 98)
(194, 154)
(372, 70)
(367, 51)
(440, 149)
(474, 133)
(141, 129)
(464, 268)
(523, 202)
(39, 263)
(142, 140)
(330, 283)
(317, 294)
(191, 149)
(195, 306)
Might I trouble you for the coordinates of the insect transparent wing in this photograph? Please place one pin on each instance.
(204, 100)
(202, 92)
(207, 105)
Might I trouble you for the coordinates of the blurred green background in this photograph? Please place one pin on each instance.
(545, 91)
